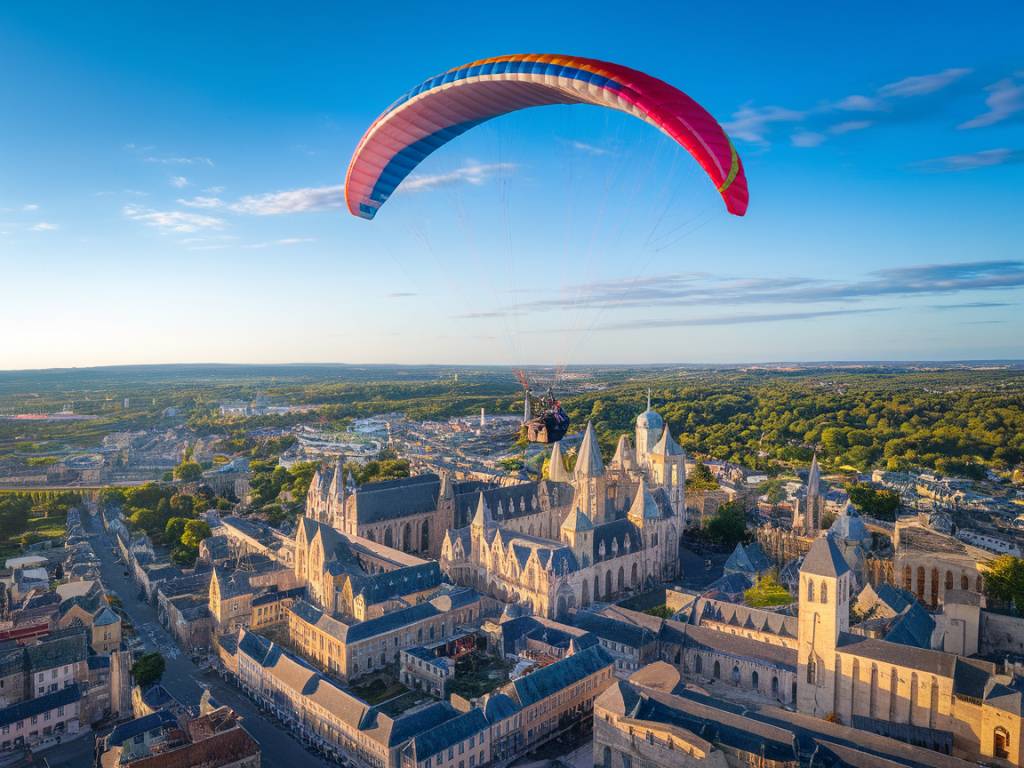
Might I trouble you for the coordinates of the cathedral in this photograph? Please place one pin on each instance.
(619, 532)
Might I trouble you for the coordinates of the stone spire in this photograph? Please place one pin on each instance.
(556, 466)
(667, 446)
(350, 482)
(338, 480)
(814, 477)
(624, 457)
(588, 461)
(482, 518)
(644, 506)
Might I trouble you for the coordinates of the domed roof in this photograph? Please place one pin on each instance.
(649, 419)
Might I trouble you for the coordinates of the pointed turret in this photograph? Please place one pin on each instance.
(482, 518)
(814, 477)
(350, 482)
(588, 461)
(337, 490)
(644, 506)
(667, 446)
(556, 466)
(624, 459)
(577, 521)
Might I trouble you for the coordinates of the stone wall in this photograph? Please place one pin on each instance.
(1001, 634)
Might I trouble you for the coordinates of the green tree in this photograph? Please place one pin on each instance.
(729, 525)
(188, 471)
(174, 529)
(880, 503)
(148, 669)
(195, 532)
(1004, 581)
(701, 479)
(767, 592)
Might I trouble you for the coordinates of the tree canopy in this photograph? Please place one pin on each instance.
(148, 669)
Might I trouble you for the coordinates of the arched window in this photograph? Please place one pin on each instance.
(607, 758)
(810, 590)
(949, 579)
(1001, 743)
(717, 671)
(824, 591)
(735, 675)
(608, 583)
(698, 665)
(753, 680)
(978, 584)
(810, 670)
(965, 583)
(775, 686)
(908, 583)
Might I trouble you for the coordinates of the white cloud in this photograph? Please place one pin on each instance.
(290, 201)
(857, 103)
(178, 182)
(202, 202)
(172, 221)
(752, 123)
(213, 190)
(282, 241)
(807, 139)
(179, 160)
(1005, 98)
(472, 173)
(921, 85)
(849, 126)
(30, 207)
(588, 149)
(984, 159)
(44, 226)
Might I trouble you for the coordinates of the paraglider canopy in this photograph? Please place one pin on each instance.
(446, 106)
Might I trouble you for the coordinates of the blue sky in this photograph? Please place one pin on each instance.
(170, 188)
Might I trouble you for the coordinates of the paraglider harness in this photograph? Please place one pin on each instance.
(551, 425)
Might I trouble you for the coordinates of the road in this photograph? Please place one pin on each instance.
(183, 679)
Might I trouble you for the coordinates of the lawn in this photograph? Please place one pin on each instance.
(378, 688)
(38, 528)
(478, 673)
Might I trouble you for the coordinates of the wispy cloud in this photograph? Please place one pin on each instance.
(201, 202)
(213, 190)
(745, 319)
(922, 85)
(754, 123)
(30, 207)
(695, 289)
(807, 138)
(290, 201)
(44, 226)
(280, 241)
(178, 182)
(849, 126)
(179, 160)
(171, 221)
(969, 162)
(972, 305)
(400, 295)
(487, 314)
(589, 149)
(1005, 98)
(471, 173)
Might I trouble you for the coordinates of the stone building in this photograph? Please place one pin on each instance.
(619, 534)
(929, 563)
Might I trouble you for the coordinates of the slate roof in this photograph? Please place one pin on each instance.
(935, 662)
(555, 677)
(613, 630)
(126, 731)
(58, 651)
(825, 559)
(588, 457)
(390, 499)
(914, 627)
(500, 706)
(618, 531)
(769, 622)
(644, 507)
(666, 445)
(40, 704)
(577, 521)
(747, 559)
(741, 647)
(399, 582)
(452, 732)
(396, 731)
(105, 617)
(505, 502)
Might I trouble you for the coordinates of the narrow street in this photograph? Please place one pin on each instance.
(182, 678)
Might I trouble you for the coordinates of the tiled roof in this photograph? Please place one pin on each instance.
(125, 731)
(449, 733)
(40, 704)
(611, 629)
(555, 677)
(392, 499)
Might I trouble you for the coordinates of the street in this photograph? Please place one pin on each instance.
(181, 677)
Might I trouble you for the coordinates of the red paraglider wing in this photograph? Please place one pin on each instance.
(443, 107)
